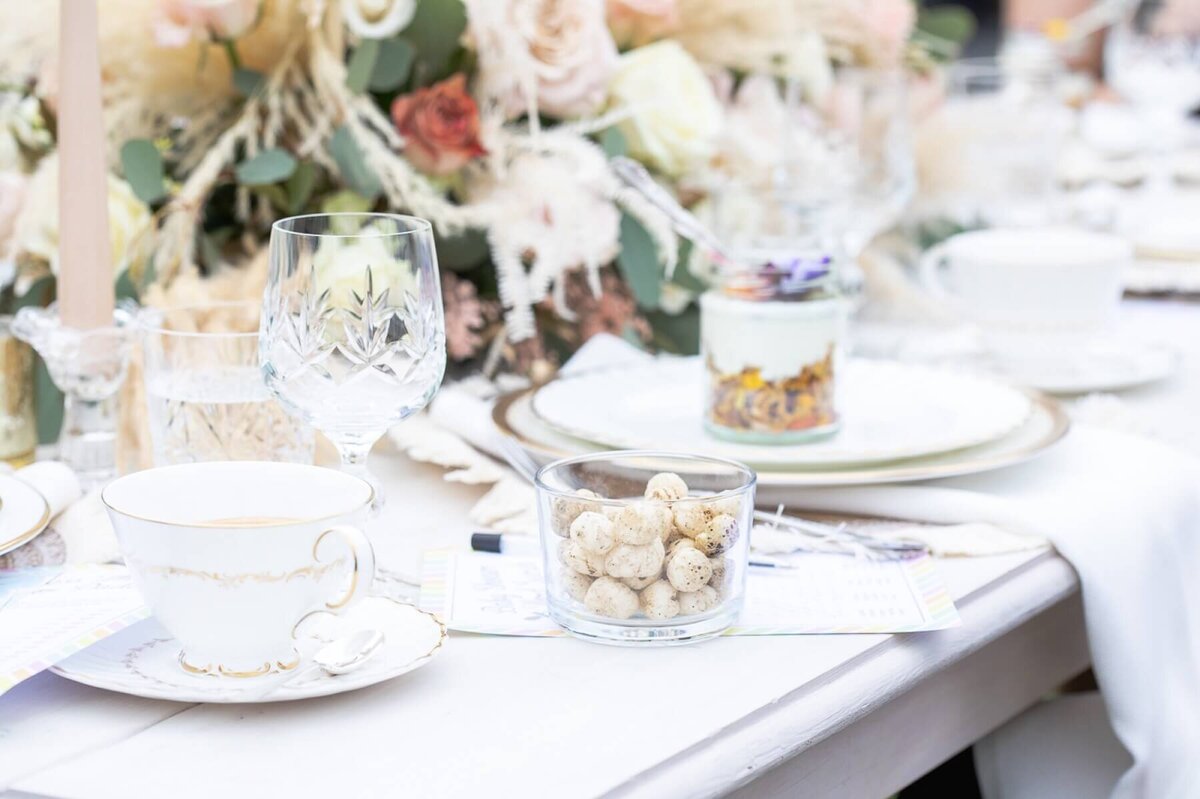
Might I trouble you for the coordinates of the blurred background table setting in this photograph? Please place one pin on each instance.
(852, 344)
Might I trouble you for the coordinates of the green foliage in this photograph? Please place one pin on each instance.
(346, 202)
(362, 65)
(679, 333)
(945, 29)
(393, 65)
(613, 142)
(350, 163)
(299, 187)
(638, 262)
(269, 166)
(464, 252)
(248, 81)
(142, 164)
(435, 33)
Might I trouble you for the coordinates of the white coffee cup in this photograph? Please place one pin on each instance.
(1027, 282)
(230, 557)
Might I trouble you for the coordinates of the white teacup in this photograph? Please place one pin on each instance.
(230, 557)
(1020, 284)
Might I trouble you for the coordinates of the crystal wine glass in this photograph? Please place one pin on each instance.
(352, 338)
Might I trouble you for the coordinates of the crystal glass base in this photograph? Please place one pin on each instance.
(89, 367)
(646, 632)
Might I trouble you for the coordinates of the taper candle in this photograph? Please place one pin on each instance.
(85, 276)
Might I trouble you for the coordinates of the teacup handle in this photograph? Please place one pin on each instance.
(929, 270)
(362, 574)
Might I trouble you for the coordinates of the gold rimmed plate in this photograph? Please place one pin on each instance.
(1045, 425)
(24, 513)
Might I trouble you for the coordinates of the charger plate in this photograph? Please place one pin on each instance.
(24, 513)
(143, 660)
(890, 411)
(1045, 425)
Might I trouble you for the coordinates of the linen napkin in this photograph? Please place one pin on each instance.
(79, 530)
(1125, 511)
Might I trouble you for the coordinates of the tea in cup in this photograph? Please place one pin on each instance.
(231, 556)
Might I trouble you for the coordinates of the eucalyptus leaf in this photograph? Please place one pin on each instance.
(638, 262)
(362, 65)
(436, 34)
(247, 81)
(678, 333)
(345, 202)
(951, 23)
(463, 252)
(613, 142)
(125, 288)
(393, 65)
(300, 187)
(350, 163)
(142, 164)
(269, 166)
(47, 403)
(682, 276)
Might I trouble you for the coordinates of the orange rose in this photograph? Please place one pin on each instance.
(440, 126)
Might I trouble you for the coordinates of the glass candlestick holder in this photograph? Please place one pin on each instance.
(89, 367)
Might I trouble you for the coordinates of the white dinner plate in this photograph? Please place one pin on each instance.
(890, 411)
(1111, 365)
(1046, 425)
(143, 660)
(23, 513)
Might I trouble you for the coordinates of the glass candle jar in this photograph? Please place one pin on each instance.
(645, 547)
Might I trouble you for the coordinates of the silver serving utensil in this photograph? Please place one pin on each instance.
(339, 656)
(685, 223)
(828, 538)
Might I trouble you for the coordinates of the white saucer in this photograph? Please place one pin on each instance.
(143, 660)
(1111, 365)
(23, 513)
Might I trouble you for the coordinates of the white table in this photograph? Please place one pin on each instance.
(858, 715)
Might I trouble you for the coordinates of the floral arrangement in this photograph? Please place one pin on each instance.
(494, 119)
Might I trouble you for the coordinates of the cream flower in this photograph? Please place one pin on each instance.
(553, 212)
(378, 19)
(638, 22)
(37, 232)
(675, 118)
(341, 268)
(555, 54)
(22, 129)
(12, 194)
(177, 22)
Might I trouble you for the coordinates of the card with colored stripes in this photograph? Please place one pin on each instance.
(47, 614)
(497, 594)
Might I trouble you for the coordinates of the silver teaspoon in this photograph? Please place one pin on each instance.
(339, 656)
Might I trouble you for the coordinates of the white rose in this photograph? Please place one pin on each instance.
(21, 126)
(37, 231)
(675, 116)
(341, 268)
(378, 19)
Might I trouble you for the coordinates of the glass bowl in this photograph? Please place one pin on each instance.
(645, 547)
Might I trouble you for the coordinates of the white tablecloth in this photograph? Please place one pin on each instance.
(1125, 511)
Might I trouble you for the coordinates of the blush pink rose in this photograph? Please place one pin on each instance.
(637, 22)
(178, 22)
(562, 50)
(890, 23)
